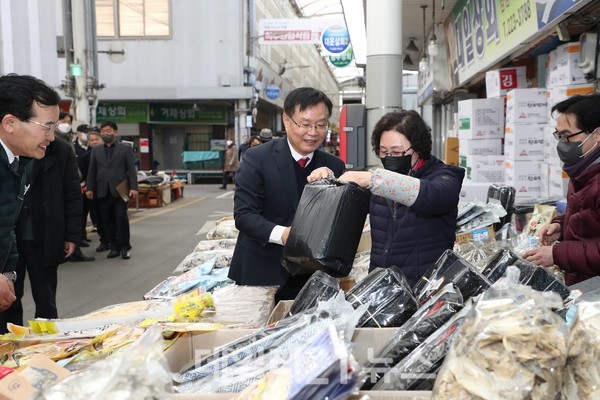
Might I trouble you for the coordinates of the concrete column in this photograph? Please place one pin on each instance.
(384, 64)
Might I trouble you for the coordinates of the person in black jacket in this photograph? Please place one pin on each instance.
(28, 115)
(48, 229)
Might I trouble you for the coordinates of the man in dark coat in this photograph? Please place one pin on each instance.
(112, 165)
(47, 230)
(270, 182)
(28, 115)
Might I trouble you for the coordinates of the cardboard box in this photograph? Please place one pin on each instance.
(40, 372)
(567, 60)
(557, 94)
(499, 81)
(480, 147)
(280, 311)
(551, 70)
(524, 142)
(483, 168)
(478, 235)
(558, 181)
(525, 176)
(527, 106)
(481, 119)
(474, 191)
(451, 151)
(550, 143)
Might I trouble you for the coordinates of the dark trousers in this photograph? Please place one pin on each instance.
(43, 279)
(96, 216)
(226, 175)
(116, 222)
(85, 208)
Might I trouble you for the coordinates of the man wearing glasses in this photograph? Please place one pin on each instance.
(269, 185)
(28, 114)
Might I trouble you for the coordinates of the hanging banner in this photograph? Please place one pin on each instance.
(335, 39)
(343, 59)
(293, 31)
(482, 32)
(187, 113)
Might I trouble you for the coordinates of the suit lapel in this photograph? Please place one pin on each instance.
(285, 167)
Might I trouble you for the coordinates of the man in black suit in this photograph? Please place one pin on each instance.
(110, 166)
(270, 182)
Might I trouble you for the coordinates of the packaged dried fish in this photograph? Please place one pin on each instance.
(198, 258)
(450, 267)
(388, 295)
(512, 346)
(327, 228)
(319, 287)
(431, 316)
(215, 244)
(418, 370)
(223, 229)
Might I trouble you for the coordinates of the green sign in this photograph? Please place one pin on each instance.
(342, 60)
(122, 112)
(187, 113)
(76, 69)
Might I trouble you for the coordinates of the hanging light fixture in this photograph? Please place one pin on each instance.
(408, 62)
(412, 47)
(423, 63)
(433, 46)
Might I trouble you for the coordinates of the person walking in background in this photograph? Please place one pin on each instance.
(269, 184)
(111, 172)
(63, 127)
(81, 148)
(48, 229)
(28, 117)
(243, 147)
(265, 135)
(255, 141)
(231, 164)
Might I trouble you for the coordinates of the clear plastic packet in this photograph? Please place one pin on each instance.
(512, 346)
(223, 229)
(140, 372)
(478, 254)
(470, 211)
(450, 267)
(319, 287)
(360, 267)
(198, 258)
(388, 295)
(582, 375)
(418, 370)
(542, 215)
(481, 221)
(429, 317)
(215, 244)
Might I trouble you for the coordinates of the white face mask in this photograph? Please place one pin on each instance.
(84, 137)
(64, 127)
(229, 142)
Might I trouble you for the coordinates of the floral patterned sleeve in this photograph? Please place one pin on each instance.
(400, 188)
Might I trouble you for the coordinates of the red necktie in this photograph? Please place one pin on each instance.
(302, 162)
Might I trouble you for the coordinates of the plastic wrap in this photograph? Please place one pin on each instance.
(506, 196)
(360, 268)
(431, 316)
(496, 267)
(582, 377)
(478, 254)
(319, 287)
(215, 244)
(418, 370)
(512, 346)
(326, 229)
(197, 258)
(223, 229)
(450, 267)
(390, 299)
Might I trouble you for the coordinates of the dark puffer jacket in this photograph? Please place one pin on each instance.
(414, 237)
(11, 197)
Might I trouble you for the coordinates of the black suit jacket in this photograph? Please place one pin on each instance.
(267, 195)
(104, 175)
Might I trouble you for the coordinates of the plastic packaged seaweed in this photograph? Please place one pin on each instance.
(512, 346)
(450, 267)
(319, 287)
(390, 299)
(326, 229)
(431, 316)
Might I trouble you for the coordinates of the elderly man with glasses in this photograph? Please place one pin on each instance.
(269, 185)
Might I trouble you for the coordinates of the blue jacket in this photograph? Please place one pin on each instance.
(414, 237)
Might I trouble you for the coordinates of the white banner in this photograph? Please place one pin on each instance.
(293, 31)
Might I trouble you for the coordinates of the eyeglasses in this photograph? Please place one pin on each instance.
(565, 134)
(48, 129)
(384, 152)
(308, 127)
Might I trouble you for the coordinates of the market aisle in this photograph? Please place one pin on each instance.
(161, 238)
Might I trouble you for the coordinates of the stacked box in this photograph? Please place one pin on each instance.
(567, 60)
(550, 143)
(451, 151)
(481, 119)
(526, 106)
(557, 94)
(480, 147)
(524, 142)
(558, 181)
(525, 177)
(499, 81)
(551, 70)
(483, 169)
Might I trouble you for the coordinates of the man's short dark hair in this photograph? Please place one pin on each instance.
(305, 97)
(18, 92)
(410, 124)
(63, 114)
(110, 123)
(586, 109)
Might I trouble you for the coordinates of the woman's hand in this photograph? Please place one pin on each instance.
(549, 233)
(319, 173)
(361, 178)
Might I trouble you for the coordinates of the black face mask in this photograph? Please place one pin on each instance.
(401, 165)
(107, 138)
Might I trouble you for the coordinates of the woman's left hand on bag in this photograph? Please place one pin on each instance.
(319, 173)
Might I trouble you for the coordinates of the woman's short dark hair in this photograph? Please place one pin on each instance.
(410, 124)
(586, 109)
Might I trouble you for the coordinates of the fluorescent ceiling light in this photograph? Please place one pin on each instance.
(354, 15)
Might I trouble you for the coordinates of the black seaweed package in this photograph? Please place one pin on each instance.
(450, 267)
(319, 287)
(544, 281)
(496, 267)
(431, 316)
(390, 299)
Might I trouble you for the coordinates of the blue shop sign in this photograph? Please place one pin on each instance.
(272, 92)
(335, 39)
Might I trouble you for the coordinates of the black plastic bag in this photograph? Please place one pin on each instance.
(506, 196)
(431, 316)
(320, 287)
(390, 299)
(326, 229)
(450, 267)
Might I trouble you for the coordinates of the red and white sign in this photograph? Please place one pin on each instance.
(144, 145)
